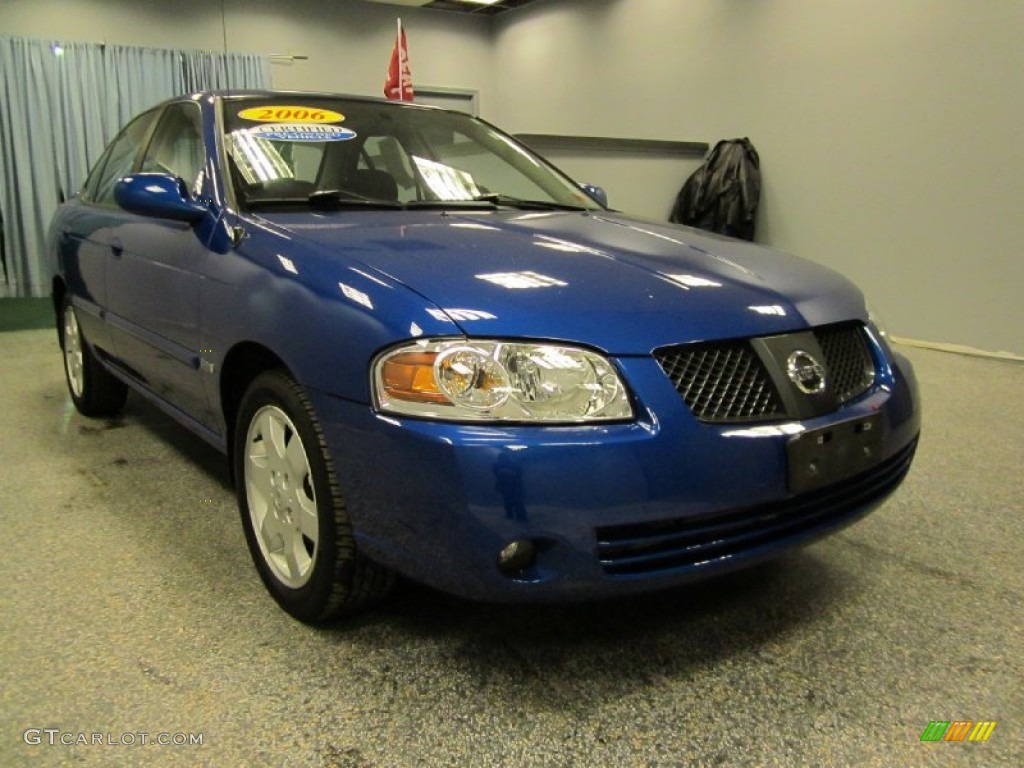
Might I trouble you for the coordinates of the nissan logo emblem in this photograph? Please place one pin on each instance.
(806, 372)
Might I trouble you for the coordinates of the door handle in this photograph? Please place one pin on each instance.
(116, 247)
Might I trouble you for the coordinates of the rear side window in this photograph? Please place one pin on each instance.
(119, 158)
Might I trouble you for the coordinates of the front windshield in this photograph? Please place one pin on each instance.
(304, 151)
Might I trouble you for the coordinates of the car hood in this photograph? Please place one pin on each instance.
(620, 284)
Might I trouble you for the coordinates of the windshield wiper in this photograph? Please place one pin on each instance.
(328, 199)
(332, 199)
(529, 205)
(486, 205)
(342, 198)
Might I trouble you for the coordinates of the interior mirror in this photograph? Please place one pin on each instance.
(596, 192)
(158, 194)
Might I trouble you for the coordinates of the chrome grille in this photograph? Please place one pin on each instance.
(848, 359)
(721, 381)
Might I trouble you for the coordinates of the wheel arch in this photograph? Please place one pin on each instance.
(58, 289)
(243, 363)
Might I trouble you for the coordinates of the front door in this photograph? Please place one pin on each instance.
(153, 277)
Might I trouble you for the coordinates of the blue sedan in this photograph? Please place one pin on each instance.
(428, 352)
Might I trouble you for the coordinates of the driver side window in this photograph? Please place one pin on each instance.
(118, 160)
(177, 146)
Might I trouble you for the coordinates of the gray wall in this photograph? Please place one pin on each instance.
(348, 42)
(888, 129)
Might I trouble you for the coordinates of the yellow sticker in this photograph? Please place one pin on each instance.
(275, 114)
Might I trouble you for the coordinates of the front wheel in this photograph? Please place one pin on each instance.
(94, 390)
(294, 516)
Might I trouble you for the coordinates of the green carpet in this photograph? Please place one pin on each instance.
(26, 314)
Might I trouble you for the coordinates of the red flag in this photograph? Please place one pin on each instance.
(398, 85)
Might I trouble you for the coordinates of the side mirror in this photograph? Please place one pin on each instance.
(158, 194)
(596, 192)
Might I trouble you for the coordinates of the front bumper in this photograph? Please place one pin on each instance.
(612, 509)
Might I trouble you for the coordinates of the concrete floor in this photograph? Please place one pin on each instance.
(131, 607)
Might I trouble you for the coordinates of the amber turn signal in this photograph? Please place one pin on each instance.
(410, 376)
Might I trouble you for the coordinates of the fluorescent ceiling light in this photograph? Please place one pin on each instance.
(461, 6)
(427, 2)
(413, 3)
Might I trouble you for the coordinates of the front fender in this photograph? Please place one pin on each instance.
(324, 316)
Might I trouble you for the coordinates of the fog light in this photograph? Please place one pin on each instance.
(517, 557)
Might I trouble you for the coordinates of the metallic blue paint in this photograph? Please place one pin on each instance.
(158, 195)
(610, 275)
(165, 303)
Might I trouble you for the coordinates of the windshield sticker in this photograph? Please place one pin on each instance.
(276, 114)
(301, 132)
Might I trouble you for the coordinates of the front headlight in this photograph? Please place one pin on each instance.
(473, 380)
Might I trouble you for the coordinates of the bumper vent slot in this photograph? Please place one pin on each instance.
(694, 542)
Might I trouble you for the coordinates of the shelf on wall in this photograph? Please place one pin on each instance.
(551, 141)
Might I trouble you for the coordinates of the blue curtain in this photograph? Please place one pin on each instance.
(137, 78)
(60, 104)
(204, 70)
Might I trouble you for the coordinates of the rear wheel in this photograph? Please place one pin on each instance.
(94, 390)
(294, 516)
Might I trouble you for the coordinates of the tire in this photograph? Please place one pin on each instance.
(94, 390)
(293, 513)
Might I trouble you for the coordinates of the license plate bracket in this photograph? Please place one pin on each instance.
(829, 454)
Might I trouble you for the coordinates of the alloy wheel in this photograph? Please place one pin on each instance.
(73, 361)
(281, 498)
